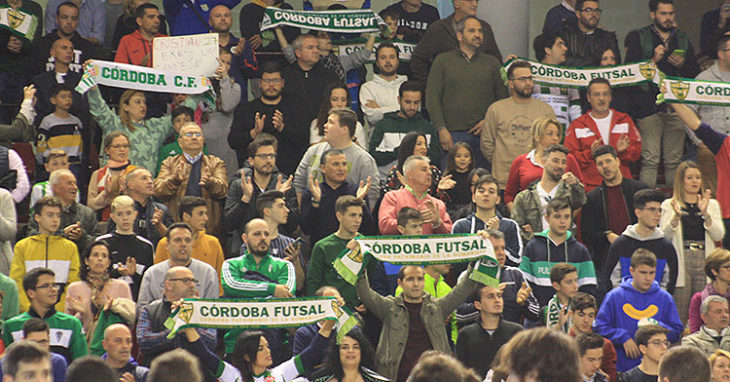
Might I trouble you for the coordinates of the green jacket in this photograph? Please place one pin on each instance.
(389, 132)
(67, 338)
(394, 314)
(148, 136)
(437, 288)
(527, 209)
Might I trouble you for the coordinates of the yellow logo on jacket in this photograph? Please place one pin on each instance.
(637, 314)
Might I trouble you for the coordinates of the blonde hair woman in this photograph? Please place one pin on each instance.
(692, 221)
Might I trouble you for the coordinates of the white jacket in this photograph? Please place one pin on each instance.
(385, 93)
(712, 234)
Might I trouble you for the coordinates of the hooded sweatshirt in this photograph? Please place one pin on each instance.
(622, 309)
(541, 254)
(382, 91)
(618, 260)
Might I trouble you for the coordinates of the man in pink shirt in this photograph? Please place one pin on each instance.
(417, 171)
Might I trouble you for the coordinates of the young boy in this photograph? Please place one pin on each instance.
(564, 278)
(581, 313)
(130, 254)
(638, 298)
(548, 247)
(591, 356)
(46, 249)
(409, 223)
(61, 130)
(486, 216)
(55, 160)
(652, 342)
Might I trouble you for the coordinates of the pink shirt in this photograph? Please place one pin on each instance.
(393, 201)
(82, 290)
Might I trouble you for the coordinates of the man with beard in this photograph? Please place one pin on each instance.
(67, 21)
(136, 48)
(599, 228)
(586, 39)
(257, 176)
(257, 274)
(243, 63)
(662, 133)
(602, 125)
(380, 95)
(462, 84)
(272, 114)
(508, 131)
(441, 37)
(387, 135)
(529, 210)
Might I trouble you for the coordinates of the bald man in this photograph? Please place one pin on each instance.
(118, 345)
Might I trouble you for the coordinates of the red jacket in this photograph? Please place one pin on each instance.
(133, 47)
(583, 131)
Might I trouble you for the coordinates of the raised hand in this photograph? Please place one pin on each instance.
(240, 47)
(29, 91)
(659, 52)
(523, 293)
(157, 216)
(284, 186)
(278, 121)
(314, 189)
(622, 144)
(569, 179)
(433, 208)
(493, 223)
(363, 189)
(446, 183)
(258, 125)
(246, 187)
(703, 201)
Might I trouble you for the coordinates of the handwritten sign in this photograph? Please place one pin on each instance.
(193, 54)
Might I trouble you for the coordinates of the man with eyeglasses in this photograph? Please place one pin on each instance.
(662, 133)
(713, 334)
(66, 333)
(180, 248)
(652, 342)
(637, 301)
(177, 282)
(37, 330)
(193, 173)
(508, 131)
(273, 114)
(645, 234)
(586, 39)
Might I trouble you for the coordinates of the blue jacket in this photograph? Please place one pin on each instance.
(184, 21)
(622, 309)
(510, 229)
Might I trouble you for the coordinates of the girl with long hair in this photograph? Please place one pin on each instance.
(337, 97)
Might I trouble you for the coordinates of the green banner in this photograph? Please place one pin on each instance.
(421, 250)
(140, 78)
(260, 313)
(405, 49)
(340, 21)
(686, 90)
(571, 77)
(19, 22)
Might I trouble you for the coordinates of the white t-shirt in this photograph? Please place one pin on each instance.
(545, 198)
(604, 126)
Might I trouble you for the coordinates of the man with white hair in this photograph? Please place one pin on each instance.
(417, 171)
(713, 334)
(78, 222)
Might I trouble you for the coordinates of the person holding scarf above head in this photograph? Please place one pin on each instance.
(145, 135)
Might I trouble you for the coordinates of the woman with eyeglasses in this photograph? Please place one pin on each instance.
(251, 359)
(717, 268)
(106, 183)
(692, 221)
(87, 298)
(146, 135)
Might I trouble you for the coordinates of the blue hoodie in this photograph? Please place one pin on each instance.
(622, 309)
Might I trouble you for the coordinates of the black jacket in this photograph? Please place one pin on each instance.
(476, 348)
(582, 47)
(594, 220)
(307, 86)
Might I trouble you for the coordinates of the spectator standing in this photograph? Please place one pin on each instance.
(243, 64)
(126, 23)
(602, 125)
(190, 17)
(507, 132)
(585, 38)
(91, 19)
(380, 95)
(455, 105)
(136, 48)
(714, 23)
(105, 184)
(559, 15)
(662, 134)
(441, 37)
(415, 17)
(691, 221)
(66, 28)
(550, 49)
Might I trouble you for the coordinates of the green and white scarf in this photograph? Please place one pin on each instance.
(259, 313)
(340, 21)
(18, 21)
(570, 77)
(140, 78)
(405, 49)
(421, 250)
(686, 90)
